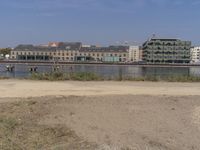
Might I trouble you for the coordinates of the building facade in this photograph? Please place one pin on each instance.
(70, 52)
(195, 54)
(105, 54)
(134, 54)
(166, 51)
(30, 52)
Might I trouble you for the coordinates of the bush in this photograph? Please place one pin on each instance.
(88, 76)
(56, 76)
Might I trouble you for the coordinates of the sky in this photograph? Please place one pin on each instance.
(100, 22)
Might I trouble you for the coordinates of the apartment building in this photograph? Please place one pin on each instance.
(195, 54)
(166, 51)
(134, 54)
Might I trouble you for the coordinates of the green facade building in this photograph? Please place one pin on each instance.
(166, 51)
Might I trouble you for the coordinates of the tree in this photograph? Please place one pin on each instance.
(5, 51)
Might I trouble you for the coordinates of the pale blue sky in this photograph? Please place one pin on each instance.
(101, 22)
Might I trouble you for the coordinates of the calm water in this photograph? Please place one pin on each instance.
(22, 70)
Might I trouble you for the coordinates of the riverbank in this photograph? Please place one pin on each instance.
(30, 88)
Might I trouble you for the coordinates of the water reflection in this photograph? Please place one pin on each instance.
(22, 70)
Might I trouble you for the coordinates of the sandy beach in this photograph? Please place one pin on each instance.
(29, 88)
(71, 115)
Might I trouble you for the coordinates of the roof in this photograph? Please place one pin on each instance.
(33, 48)
(69, 46)
(62, 46)
(105, 49)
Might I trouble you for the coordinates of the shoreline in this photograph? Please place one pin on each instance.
(95, 63)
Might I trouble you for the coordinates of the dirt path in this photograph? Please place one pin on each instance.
(26, 88)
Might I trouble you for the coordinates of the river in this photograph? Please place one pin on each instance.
(109, 71)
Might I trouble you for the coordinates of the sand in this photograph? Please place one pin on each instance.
(99, 115)
(25, 88)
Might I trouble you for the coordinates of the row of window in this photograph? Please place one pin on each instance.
(71, 54)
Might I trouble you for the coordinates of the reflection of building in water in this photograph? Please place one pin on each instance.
(134, 71)
(165, 71)
(195, 54)
(195, 71)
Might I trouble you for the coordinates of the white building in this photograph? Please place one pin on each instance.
(86, 46)
(195, 54)
(134, 53)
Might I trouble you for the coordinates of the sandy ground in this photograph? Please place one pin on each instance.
(24, 88)
(99, 115)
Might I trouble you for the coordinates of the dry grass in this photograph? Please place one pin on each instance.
(19, 130)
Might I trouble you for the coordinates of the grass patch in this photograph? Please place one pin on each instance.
(8, 124)
(3, 78)
(183, 79)
(20, 128)
(59, 76)
(173, 78)
(87, 76)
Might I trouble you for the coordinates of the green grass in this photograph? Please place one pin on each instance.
(88, 76)
(8, 123)
(58, 76)
(173, 78)
(3, 78)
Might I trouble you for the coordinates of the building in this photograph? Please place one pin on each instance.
(134, 54)
(158, 50)
(30, 52)
(70, 51)
(195, 54)
(105, 54)
(141, 54)
(67, 51)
